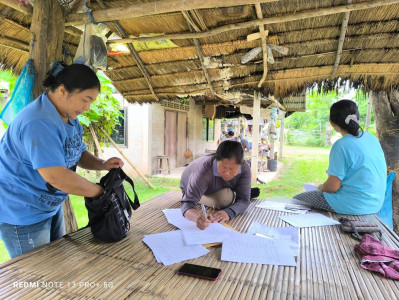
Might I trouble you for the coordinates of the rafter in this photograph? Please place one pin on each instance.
(134, 54)
(264, 46)
(342, 34)
(272, 20)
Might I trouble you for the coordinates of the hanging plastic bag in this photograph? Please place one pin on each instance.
(22, 94)
(92, 50)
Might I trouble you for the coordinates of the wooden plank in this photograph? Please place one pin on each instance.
(255, 36)
(153, 8)
(255, 137)
(181, 139)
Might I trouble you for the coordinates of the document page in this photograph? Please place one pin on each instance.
(246, 248)
(309, 220)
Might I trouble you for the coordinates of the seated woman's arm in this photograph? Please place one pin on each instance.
(332, 184)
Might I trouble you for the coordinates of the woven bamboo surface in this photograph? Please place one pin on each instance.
(78, 267)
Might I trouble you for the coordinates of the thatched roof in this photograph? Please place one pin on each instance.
(310, 29)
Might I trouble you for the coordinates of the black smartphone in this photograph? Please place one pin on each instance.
(200, 271)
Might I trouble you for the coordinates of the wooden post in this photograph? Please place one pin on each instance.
(386, 113)
(128, 160)
(280, 155)
(47, 35)
(255, 137)
(368, 116)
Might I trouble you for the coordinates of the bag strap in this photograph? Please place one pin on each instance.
(136, 203)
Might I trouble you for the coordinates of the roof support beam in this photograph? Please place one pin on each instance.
(135, 55)
(153, 8)
(264, 46)
(272, 20)
(191, 24)
(344, 26)
(19, 6)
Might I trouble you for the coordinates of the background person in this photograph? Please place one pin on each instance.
(38, 156)
(221, 181)
(357, 171)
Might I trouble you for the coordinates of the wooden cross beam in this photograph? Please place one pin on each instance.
(342, 34)
(271, 20)
(153, 8)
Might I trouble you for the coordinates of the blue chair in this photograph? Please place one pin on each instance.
(385, 213)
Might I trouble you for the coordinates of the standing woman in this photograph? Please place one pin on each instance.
(357, 172)
(38, 157)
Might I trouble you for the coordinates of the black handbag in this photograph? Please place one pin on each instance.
(109, 213)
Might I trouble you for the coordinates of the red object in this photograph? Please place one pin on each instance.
(378, 257)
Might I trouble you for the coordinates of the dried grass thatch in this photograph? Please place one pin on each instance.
(369, 58)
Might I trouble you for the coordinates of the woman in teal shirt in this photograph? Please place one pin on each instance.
(357, 169)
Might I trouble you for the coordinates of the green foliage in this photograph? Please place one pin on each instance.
(104, 113)
(7, 76)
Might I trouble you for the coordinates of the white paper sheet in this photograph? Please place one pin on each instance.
(309, 187)
(215, 233)
(290, 235)
(176, 218)
(309, 220)
(280, 206)
(169, 248)
(248, 248)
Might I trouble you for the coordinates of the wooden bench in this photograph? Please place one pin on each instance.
(84, 268)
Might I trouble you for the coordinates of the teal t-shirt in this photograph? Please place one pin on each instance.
(360, 164)
(37, 138)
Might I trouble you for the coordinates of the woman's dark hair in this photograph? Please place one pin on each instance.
(345, 114)
(229, 150)
(76, 77)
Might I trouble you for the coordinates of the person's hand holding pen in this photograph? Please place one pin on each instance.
(204, 219)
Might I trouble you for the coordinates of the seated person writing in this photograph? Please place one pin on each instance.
(220, 180)
(357, 168)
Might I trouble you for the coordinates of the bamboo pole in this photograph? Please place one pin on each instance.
(255, 137)
(280, 156)
(127, 159)
(100, 153)
(264, 46)
(271, 20)
(344, 26)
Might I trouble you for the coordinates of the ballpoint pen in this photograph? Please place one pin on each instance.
(203, 209)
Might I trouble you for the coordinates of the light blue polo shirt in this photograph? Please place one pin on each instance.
(360, 164)
(37, 138)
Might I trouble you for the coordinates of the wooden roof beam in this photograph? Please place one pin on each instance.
(264, 45)
(272, 20)
(135, 55)
(193, 27)
(342, 34)
(153, 8)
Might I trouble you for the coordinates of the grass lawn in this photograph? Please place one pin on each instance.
(301, 165)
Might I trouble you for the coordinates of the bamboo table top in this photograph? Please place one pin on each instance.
(78, 267)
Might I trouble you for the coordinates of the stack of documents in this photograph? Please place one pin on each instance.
(176, 246)
(169, 247)
(285, 207)
(263, 245)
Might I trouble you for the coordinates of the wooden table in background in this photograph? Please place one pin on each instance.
(79, 267)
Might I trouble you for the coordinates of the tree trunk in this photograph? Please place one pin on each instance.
(386, 112)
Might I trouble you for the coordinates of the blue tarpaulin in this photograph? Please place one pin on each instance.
(385, 213)
(22, 94)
